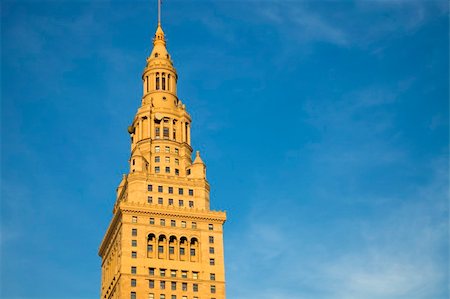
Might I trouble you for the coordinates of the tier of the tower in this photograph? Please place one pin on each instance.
(160, 132)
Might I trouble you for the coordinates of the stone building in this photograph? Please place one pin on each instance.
(163, 241)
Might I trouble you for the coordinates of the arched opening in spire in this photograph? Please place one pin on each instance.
(157, 81)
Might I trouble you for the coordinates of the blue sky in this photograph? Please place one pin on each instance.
(324, 126)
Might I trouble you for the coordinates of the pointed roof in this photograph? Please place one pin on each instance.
(198, 159)
(137, 152)
(159, 55)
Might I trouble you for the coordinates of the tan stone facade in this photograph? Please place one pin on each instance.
(163, 241)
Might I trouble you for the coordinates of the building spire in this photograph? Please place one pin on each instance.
(159, 13)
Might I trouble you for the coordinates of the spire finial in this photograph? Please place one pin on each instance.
(159, 12)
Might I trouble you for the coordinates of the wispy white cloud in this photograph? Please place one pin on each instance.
(310, 22)
(400, 254)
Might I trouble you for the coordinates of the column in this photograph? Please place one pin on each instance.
(171, 129)
(140, 128)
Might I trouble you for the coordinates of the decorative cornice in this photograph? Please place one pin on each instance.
(168, 211)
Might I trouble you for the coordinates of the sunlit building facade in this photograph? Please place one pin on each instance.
(163, 241)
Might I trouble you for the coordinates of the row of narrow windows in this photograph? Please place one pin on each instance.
(173, 285)
(166, 149)
(173, 273)
(173, 223)
(170, 202)
(167, 160)
(161, 83)
(163, 296)
(170, 190)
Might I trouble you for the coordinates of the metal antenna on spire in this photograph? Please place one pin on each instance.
(159, 12)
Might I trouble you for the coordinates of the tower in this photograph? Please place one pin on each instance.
(163, 241)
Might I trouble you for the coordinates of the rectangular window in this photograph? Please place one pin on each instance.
(133, 282)
(162, 272)
(134, 219)
(133, 254)
(184, 286)
(177, 171)
(149, 248)
(150, 199)
(173, 223)
(157, 149)
(180, 203)
(134, 232)
(211, 250)
(152, 221)
(173, 286)
(194, 275)
(185, 297)
(188, 172)
(157, 132)
(183, 224)
(133, 295)
(212, 262)
(210, 226)
(162, 296)
(167, 159)
(180, 191)
(182, 251)
(194, 225)
(170, 201)
(212, 276)
(166, 132)
(171, 250)
(173, 297)
(177, 162)
(160, 200)
(176, 151)
(160, 189)
(157, 170)
(167, 169)
(192, 251)
(133, 270)
(195, 287)
(211, 240)
(151, 296)
(191, 204)
(133, 243)
(157, 159)
(167, 149)
(183, 274)
(161, 249)
(170, 190)
(149, 187)
(162, 285)
(162, 222)
(151, 271)
(174, 134)
(191, 192)
(151, 284)
(213, 289)
(173, 273)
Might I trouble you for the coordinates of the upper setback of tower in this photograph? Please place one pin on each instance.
(162, 119)
(160, 132)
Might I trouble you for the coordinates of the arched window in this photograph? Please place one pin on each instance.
(163, 81)
(151, 243)
(162, 246)
(168, 82)
(183, 248)
(193, 250)
(172, 247)
(157, 81)
(147, 82)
